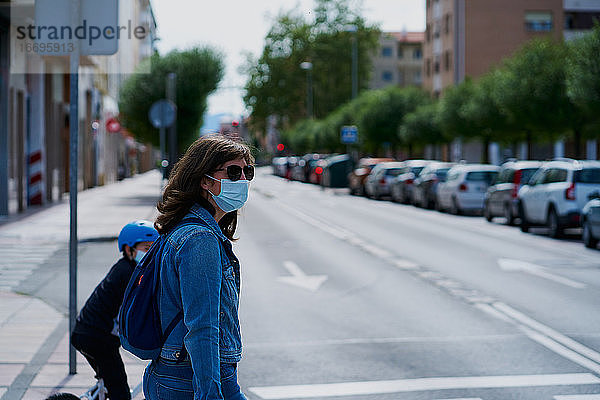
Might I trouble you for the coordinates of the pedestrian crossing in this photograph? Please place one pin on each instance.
(18, 261)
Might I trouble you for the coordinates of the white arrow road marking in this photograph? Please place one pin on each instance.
(508, 264)
(300, 279)
(421, 384)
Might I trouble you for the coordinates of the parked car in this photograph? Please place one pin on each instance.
(279, 166)
(556, 194)
(357, 178)
(402, 186)
(301, 170)
(590, 220)
(335, 171)
(501, 196)
(465, 187)
(425, 185)
(378, 182)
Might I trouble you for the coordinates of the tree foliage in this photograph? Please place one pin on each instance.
(199, 70)
(583, 77)
(277, 85)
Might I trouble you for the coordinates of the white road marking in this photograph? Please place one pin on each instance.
(300, 279)
(508, 264)
(421, 384)
(546, 330)
(464, 398)
(578, 397)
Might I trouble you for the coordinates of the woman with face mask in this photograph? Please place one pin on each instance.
(95, 334)
(200, 274)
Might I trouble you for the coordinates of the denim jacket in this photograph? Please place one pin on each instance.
(201, 276)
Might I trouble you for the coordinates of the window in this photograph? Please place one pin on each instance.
(447, 22)
(387, 76)
(417, 54)
(554, 175)
(436, 65)
(386, 51)
(538, 21)
(447, 60)
(417, 77)
(481, 176)
(527, 173)
(588, 175)
(428, 67)
(400, 52)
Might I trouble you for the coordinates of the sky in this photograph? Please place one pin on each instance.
(236, 27)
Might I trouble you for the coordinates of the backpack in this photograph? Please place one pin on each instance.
(140, 329)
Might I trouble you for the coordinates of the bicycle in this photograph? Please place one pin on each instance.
(96, 392)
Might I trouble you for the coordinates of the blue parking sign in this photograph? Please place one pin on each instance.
(349, 134)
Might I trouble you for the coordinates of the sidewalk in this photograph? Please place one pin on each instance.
(34, 335)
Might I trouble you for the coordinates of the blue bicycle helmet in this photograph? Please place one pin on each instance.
(135, 232)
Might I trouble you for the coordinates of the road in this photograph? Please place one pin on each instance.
(346, 297)
(349, 298)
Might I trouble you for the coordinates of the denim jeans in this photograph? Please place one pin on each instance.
(170, 380)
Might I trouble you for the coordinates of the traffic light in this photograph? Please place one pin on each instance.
(280, 147)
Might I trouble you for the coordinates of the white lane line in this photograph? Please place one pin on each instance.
(508, 264)
(561, 350)
(546, 330)
(578, 397)
(421, 384)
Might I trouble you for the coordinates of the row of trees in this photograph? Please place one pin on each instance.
(546, 90)
(277, 85)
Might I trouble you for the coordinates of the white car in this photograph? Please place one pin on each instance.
(557, 193)
(465, 187)
(378, 182)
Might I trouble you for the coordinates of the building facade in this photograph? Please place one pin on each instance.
(35, 115)
(399, 60)
(467, 38)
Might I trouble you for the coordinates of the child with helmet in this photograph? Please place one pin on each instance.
(95, 335)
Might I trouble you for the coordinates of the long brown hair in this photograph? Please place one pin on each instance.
(184, 189)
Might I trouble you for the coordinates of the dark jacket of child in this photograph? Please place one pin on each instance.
(97, 316)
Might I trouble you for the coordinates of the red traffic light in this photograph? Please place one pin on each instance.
(280, 147)
(235, 123)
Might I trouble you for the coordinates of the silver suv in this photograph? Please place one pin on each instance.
(556, 194)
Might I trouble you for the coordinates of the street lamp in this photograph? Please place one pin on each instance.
(309, 97)
(354, 30)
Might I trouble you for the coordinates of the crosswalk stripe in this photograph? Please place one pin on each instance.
(421, 384)
(18, 263)
(578, 397)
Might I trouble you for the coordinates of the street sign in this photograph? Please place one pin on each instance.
(113, 125)
(162, 113)
(349, 134)
(96, 30)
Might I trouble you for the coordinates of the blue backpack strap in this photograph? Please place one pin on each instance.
(179, 316)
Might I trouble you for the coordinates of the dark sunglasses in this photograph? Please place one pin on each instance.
(234, 172)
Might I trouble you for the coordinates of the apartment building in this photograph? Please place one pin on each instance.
(467, 38)
(399, 60)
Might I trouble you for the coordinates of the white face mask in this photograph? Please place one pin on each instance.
(139, 255)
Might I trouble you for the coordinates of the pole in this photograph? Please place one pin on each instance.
(172, 95)
(310, 94)
(73, 164)
(354, 65)
(163, 154)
